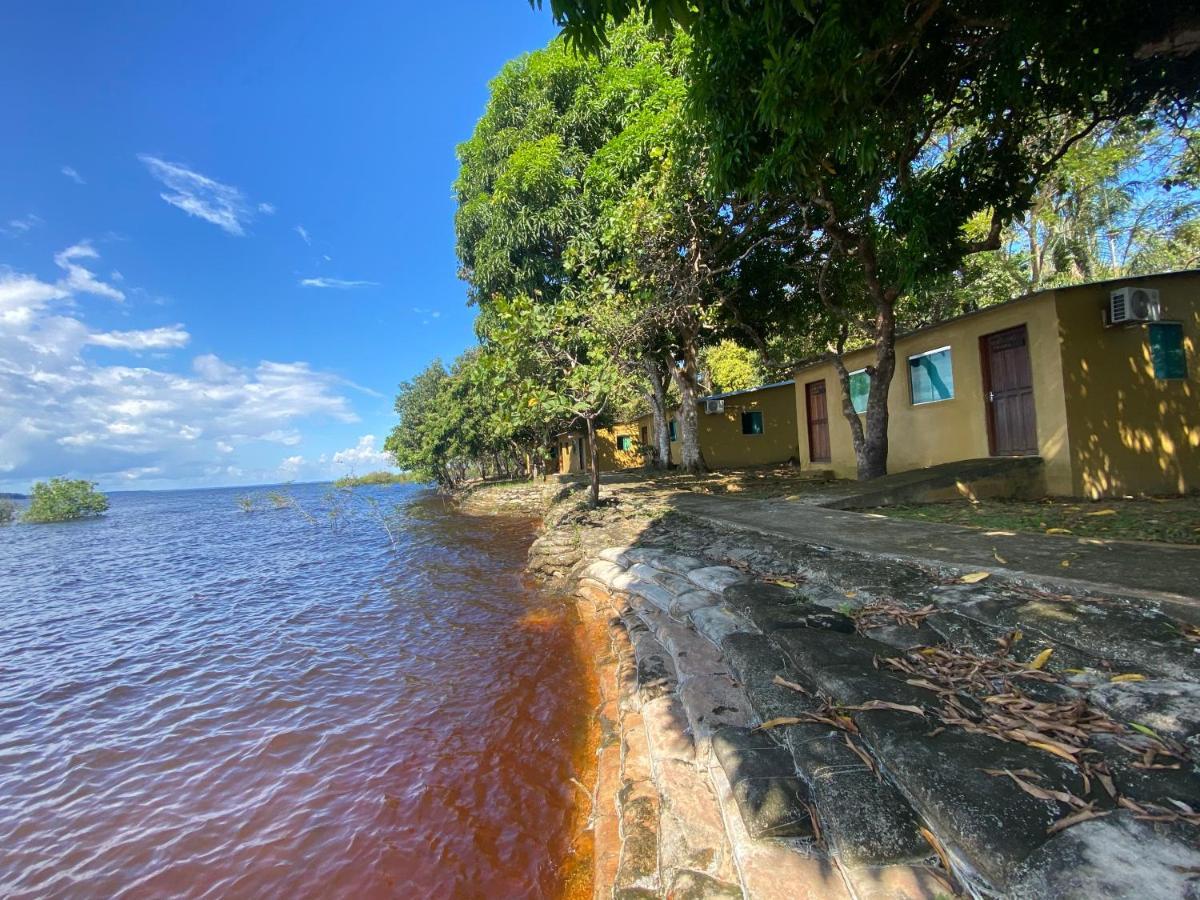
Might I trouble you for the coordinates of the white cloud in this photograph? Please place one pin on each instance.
(363, 457)
(267, 209)
(291, 465)
(17, 227)
(198, 195)
(72, 174)
(62, 412)
(303, 232)
(80, 279)
(168, 337)
(337, 283)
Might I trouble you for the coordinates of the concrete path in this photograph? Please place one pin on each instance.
(1166, 573)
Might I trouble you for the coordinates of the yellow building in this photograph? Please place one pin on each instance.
(753, 427)
(1111, 409)
(739, 428)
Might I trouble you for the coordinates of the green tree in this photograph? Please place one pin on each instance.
(64, 499)
(732, 367)
(551, 368)
(886, 128)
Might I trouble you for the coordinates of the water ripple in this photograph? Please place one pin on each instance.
(199, 702)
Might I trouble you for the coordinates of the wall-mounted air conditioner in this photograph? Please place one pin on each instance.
(1129, 305)
(714, 405)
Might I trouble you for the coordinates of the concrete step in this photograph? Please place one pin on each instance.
(837, 780)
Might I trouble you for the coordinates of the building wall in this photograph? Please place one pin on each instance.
(721, 439)
(570, 461)
(1129, 431)
(948, 430)
(612, 459)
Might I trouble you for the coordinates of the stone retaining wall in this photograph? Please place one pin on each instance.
(861, 791)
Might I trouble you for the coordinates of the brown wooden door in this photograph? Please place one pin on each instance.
(818, 421)
(1008, 391)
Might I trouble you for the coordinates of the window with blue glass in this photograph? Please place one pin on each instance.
(860, 389)
(930, 376)
(671, 428)
(625, 442)
(752, 422)
(1166, 350)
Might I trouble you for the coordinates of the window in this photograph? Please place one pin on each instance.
(860, 387)
(625, 442)
(1166, 350)
(645, 436)
(930, 376)
(752, 422)
(671, 428)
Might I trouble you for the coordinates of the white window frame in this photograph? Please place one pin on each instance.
(954, 391)
(863, 371)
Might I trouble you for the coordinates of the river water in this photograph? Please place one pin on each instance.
(198, 701)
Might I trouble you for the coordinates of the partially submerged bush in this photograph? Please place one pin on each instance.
(8, 512)
(63, 499)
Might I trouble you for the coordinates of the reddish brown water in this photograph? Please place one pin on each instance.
(197, 702)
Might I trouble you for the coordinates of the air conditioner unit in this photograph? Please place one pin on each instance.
(1133, 304)
(714, 405)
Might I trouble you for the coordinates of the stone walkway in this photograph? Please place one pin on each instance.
(1160, 572)
(779, 719)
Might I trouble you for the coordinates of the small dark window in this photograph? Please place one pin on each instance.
(645, 435)
(625, 442)
(752, 422)
(671, 428)
(1166, 350)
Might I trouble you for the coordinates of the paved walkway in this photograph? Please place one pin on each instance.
(1170, 574)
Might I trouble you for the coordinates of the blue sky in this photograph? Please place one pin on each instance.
(226, 230)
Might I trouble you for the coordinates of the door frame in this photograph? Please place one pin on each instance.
(808, 420)
(989, 407)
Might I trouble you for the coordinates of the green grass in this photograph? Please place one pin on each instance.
(1173, 520)
(375, 478)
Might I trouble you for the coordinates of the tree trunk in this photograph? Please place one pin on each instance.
(691, 459)
(657, 395)
(593, 461)
(871, 440)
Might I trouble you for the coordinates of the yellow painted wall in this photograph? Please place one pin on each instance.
(612, 459)
(721, 439)
(570, 462)
(948, 430)
(1130, 432)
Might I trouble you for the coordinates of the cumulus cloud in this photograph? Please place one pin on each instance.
(80, 279)
(168, 337)
(336, 283)
(62, 412)
(206, 198)
(363, 457)
(70, 172)
(291, 465)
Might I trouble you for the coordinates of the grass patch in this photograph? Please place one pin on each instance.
(1173, 520)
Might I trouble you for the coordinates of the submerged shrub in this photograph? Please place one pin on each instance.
(63, 499)
(8, 512)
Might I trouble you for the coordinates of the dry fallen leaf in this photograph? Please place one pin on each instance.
(1075, 818)
(778, 722)
(1066, 564)
(1041, 659)
(1000, 559)
(1058, 531)
(779, 679)
(1128, 676)
(786, 584)
(1102, 512)
(975, 577)
(884, 704)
